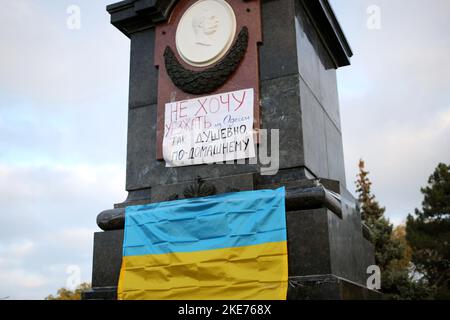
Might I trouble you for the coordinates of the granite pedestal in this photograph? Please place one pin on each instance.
(303, 45)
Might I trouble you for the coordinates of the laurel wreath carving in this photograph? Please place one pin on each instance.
(208, 80)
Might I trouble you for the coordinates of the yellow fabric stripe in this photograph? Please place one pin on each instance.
(258, 272)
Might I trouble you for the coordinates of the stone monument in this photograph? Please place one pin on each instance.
(285, 52)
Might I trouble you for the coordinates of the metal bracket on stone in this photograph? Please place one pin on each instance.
(304, 281)
(113, 219)
(327, 286)
(298, 198)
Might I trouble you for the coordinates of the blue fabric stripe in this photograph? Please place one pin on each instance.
(217, 222)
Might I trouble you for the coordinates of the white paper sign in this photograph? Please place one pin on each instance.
(209, 129)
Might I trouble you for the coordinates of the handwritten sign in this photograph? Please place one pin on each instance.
(209, 129)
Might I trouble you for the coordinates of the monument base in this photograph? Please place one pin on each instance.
(329, 249)
(323, 287)
(106, 293)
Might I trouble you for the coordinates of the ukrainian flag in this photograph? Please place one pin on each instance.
(226, 247)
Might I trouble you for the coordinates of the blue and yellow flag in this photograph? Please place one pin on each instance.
(226, 247)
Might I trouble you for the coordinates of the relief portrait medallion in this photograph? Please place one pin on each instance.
(206, 32)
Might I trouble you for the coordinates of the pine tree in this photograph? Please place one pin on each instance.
(399, 234)
(370, 209)
(389, 249)
(428, 233)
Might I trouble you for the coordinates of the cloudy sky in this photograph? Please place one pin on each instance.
(63, 108)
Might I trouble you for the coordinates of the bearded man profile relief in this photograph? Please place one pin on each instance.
(204, 27)
(206, 32)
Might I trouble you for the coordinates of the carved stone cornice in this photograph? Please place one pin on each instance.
(327, 26)
(312, 195)
(130, 16)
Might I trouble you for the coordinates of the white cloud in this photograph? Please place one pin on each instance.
(43, 199)
(48, 221)
(47, 61)
(395, 97)
(22, 279)
(17, 249)
(74, 239)
(63, 122)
